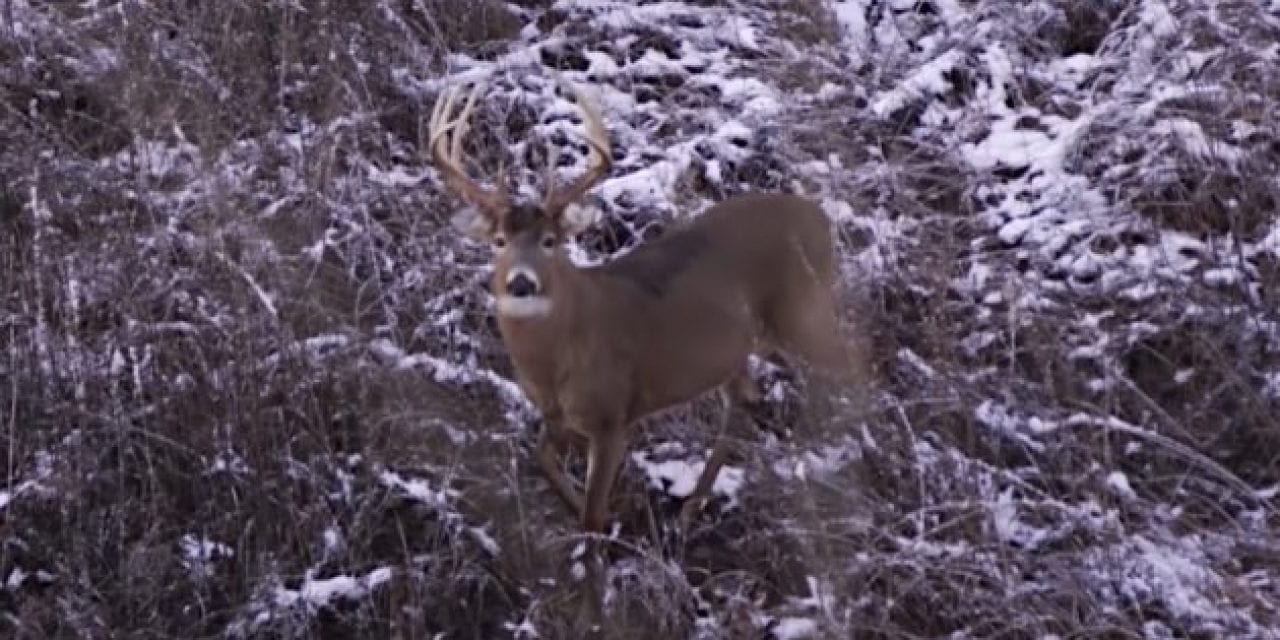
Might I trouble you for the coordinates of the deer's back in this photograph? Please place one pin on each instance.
(772, 241)
(760, 243)
(698, 297)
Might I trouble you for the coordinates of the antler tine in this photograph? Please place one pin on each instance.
(599, 159)
(463, 123)
(435, 126)
(445, 137)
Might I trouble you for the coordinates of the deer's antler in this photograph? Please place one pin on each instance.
(599, 161)
(444, 138)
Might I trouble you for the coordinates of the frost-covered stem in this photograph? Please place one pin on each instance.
(8, 17)
(1011, 300)
(39, 216)
(261, 293)
(424, 11)
(10, 479)
(920, 484)
(73, 354)
(282, 68)
(1177, 448)
(136, 369)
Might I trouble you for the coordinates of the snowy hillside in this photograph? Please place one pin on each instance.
(251, 386)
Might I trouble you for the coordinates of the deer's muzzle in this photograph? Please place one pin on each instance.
(522, 284)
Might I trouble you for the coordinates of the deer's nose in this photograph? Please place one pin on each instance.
(520, 285)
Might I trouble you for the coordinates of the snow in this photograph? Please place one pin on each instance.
(679, 477)
(524, 629)
(17, 578)
(1222, 276)
(1270, 389)
(418, 489)
(795, 629)
(928, 80)
(1010, 528)
(315, 347)
(486, 541)
(756, 99)
(199, 553)
(43, 471)
(1006, 422)
(397, 176)
(1013, 147)
(851, 15)
(1168, 573)
(333, 541)
(1190, 136)
(1118, 482)
(445, 371)
(314, 592)
(1157, 17)
(9, 495)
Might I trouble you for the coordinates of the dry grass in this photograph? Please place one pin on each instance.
(807, 22)
(205, 265)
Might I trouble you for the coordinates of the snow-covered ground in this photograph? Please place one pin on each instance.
(251, 387)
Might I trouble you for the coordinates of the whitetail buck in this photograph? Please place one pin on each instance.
(598, 348)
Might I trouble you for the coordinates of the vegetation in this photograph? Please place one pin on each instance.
(250, 386)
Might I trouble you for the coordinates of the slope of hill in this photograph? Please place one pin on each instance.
(251, 387)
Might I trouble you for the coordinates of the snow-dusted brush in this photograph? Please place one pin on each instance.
(597, 348)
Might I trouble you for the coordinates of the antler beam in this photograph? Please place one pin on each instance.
(445, 137)
(599, 160)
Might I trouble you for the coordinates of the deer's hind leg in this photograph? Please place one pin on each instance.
(805, 325)
(839, 373)
(733, 394)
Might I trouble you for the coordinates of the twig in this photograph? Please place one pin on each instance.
(261, 293)
(13, 409)
(1179, 449)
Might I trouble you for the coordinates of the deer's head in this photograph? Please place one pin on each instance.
(527, 238)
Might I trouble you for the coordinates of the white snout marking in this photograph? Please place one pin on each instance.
(535, 306)
(526, 307)
(527, 273)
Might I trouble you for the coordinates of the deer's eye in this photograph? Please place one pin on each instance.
(499, 242)
(548, 241)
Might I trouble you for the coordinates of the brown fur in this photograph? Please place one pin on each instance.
(674, 319)
(596, 349)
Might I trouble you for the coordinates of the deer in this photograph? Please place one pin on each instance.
(598, 348)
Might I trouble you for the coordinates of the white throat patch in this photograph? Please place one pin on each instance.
(525, 307)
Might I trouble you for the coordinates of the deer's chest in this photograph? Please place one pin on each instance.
(536, 375)
(584, 381)
(537, 362)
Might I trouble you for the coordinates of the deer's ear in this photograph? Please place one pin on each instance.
(473, 224)
(578, 218)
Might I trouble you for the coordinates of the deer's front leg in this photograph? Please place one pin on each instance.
(605, 453)
(605, 450)
(548, 455)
